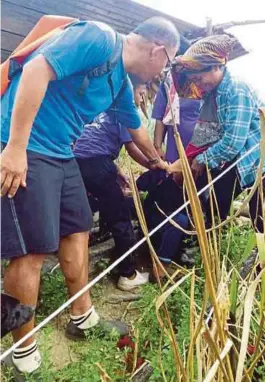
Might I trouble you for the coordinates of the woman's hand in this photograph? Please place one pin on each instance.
(175, 167)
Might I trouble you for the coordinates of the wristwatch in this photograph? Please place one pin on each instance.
(153, 161)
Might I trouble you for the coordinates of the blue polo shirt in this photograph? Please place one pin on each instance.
(64, 112)
(105, 136)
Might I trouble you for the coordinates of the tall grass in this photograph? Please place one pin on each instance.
(227, 331)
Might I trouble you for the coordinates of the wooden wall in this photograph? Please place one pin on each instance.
(19, 16)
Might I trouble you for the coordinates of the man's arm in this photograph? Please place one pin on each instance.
(32, 87)
(33, 84)
(128, 115)
(136, 154)
(143, 142)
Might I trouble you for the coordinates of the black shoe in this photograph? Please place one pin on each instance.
(186, 260)
(73, 332)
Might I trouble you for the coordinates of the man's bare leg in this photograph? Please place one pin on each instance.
(22, 281)
(73, 257)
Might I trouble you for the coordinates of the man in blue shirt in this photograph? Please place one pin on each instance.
(44, 203)
(95, 151)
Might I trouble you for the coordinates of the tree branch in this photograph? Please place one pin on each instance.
(231, 24)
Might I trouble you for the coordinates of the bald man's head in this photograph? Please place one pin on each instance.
(160, 31)
(149, 47)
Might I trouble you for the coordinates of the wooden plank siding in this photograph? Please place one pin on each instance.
(19, 16)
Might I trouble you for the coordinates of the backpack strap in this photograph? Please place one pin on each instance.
(105, 68)
(109, 65)
(120, 92)
(14, 68)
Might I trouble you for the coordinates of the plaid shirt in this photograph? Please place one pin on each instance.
(237, 111)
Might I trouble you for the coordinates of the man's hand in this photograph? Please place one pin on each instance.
(13, 170)
(197, 169)
(160, 164)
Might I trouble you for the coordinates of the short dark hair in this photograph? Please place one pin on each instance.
(159, 30)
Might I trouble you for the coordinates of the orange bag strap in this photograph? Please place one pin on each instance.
(46, 27)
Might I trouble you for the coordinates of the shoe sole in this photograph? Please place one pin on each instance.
(127, 289)
(121, 328)
(74, 338)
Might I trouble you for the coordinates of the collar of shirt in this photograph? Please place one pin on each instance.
(221, 89)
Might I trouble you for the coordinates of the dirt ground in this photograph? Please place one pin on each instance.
(108, 309)
(108, 302)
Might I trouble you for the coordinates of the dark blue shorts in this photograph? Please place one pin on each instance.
(53, 205)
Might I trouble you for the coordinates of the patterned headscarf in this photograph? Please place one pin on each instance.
(207, 52)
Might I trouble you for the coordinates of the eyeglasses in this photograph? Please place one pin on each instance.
(169, 64)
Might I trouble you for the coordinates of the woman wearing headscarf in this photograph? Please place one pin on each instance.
(227, 128)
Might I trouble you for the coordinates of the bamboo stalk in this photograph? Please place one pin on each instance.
(246, 326)
(190, 358)
(200, 228)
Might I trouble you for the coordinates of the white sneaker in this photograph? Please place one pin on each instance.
(125, 283)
